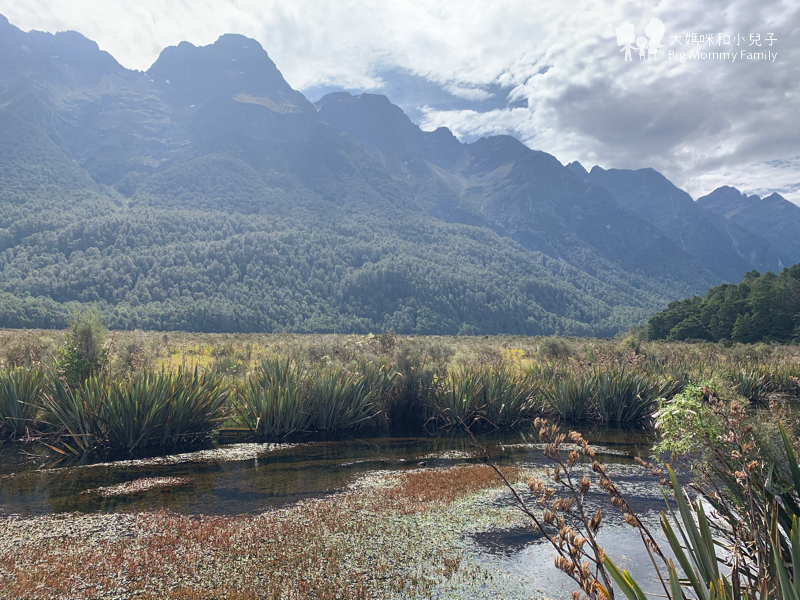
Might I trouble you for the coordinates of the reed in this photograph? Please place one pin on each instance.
(20, 389)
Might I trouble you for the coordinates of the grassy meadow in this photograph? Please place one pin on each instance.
(88, 388)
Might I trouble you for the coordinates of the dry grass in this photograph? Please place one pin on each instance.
(355, 545)
(175, 349)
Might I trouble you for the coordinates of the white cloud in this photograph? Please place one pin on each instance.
(702, 123)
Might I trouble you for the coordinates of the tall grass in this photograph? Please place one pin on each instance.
(457, 398)
(342, 400)
(623, 396)
(281, 398)
(752, 382)
(508, 397)
(272, 402)
(481, 396)
(149, 409)
(570, 396)
(20, 389)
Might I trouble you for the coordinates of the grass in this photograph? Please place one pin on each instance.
(483, 396)
(624, 396)
(272, 403)
(570, 396)
(20, 389)
(281, 398)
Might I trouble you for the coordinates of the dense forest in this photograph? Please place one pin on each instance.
(177, 269)
(762, 308)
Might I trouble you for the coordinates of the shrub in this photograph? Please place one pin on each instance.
(83, 354)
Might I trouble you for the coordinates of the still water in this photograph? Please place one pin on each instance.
(267, 478)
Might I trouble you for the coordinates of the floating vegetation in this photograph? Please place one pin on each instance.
(136, 486)
(373, 541)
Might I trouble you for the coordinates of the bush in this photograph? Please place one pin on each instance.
(83, 354)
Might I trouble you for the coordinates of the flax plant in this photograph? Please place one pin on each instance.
(20, 389)
(273, 402)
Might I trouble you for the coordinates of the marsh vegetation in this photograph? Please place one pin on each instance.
(88, 388)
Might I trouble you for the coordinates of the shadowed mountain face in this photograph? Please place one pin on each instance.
(773, 217)
(207, 194)
(725, 248)
(518, 192)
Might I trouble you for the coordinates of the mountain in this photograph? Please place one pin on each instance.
(724, 247)
(773, 218)
(207, 194)
(519, 193)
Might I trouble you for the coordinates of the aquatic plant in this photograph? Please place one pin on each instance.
(482, 396)
(20, 389)
(341, 400)
(753, 382)
(508, 397)
(457, 397)
(622, 395)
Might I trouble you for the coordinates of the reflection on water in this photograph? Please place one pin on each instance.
(316, 467)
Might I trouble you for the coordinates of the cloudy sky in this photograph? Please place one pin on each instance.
(550, 73)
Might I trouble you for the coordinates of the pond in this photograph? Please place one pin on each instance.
(245, 478)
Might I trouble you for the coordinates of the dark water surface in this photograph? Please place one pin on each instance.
(315, 467)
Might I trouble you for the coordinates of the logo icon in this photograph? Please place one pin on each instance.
(626, 37)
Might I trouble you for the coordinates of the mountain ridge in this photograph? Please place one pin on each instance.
(772, 216)
(200, 195)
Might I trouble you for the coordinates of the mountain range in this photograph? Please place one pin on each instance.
(207, 194)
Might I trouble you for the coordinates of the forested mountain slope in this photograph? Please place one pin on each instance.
(206, 194)
(761, 308)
